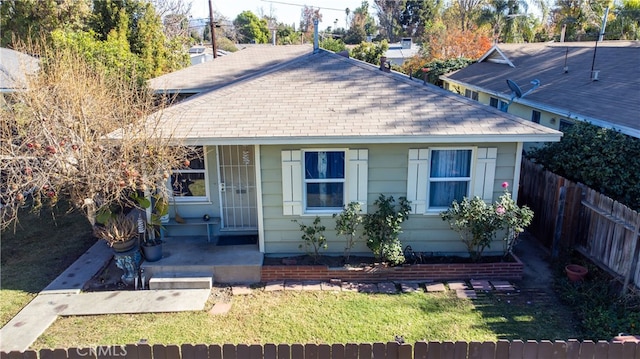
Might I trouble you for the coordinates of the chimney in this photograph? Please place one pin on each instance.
(562, 32)
(274, 37)
(316, 46)
(384, 65)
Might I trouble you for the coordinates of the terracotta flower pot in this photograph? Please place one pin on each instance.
(575, 272)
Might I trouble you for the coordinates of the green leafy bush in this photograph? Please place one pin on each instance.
(478, 223)
(603, 159)
(313, 237)
(347, 224)
(382, 228)
(331, 44)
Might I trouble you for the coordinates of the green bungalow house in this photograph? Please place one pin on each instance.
(309, 132)
(579, 81)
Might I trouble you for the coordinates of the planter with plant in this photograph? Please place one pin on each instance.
(120, 232)
(382, 228)
(156, 207)
(478, 223)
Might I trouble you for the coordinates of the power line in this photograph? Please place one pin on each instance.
(301, 5)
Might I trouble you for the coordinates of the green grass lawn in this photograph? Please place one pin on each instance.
(41, 247)
(326, 317)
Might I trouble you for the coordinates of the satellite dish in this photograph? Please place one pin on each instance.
(515, 89)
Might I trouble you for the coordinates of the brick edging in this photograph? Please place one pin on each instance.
(449, 271)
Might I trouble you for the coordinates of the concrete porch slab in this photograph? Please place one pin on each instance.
(226, 264)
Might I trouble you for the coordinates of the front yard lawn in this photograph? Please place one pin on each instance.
(41, 248)
(328, 317)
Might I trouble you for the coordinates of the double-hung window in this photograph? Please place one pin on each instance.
(324, 180)
(438, 176)
(319, 181)
(449, 176)
(190, 183)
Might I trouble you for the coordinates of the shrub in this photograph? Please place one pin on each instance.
(600, 158)
(313, 236)
(347, 224)
(383, 227)
(478, 222)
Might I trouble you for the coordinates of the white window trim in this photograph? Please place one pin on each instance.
(205, 170)
(449, 179)
(305, 208)
(483, 166)
(293, 181)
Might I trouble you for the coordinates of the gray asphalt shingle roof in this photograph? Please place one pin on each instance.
(225, 69)
(614, 98)
(326, 98)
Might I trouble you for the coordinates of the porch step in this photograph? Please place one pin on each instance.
(181, 281)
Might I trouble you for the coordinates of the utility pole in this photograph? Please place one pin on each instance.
(213, 31)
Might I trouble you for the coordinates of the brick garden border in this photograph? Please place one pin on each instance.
(414, 272)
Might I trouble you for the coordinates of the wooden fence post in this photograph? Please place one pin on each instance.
(634, 261)
(555, 250)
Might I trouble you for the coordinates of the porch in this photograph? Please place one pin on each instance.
(185, 258)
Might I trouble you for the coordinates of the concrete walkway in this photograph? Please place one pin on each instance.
(63, 297)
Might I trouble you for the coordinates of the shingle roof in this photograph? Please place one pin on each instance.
(225, 69)
(326, 98)
(614, 98)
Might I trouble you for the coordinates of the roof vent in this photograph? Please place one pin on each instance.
(594, 75)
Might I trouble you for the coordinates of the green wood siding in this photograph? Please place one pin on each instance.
(387, 174)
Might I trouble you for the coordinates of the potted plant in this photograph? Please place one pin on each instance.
(120, 233)
(150, 231)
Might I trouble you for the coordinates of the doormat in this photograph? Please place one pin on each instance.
(237, 240)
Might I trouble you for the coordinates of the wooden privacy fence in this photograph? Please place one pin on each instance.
(502, 349)
(572, 215)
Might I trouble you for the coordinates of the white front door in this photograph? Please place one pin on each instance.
(238, 195)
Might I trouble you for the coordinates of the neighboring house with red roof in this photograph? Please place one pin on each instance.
(288, 138)
(608, 96)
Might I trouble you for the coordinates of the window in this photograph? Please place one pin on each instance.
(471, 94)
(445, 85)
(324, 177)
(565, 125)
(493, 102)
(323, 181)
(535, 116)
(437, 176)
(449, 177)
(190, 183)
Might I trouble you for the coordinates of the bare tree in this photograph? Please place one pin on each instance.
(80, 135)
(174, 15)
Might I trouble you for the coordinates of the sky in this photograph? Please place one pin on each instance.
(286, 11)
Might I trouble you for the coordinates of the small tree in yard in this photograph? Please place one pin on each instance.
(382, 228)
(347, 224)
(81, 135)
(313, 236)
